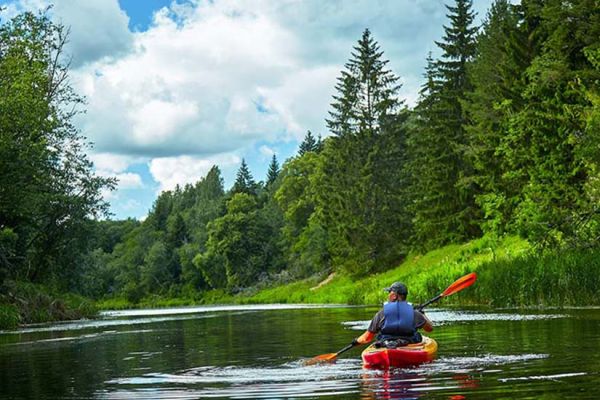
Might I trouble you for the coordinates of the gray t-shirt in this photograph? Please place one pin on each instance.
(377, 321)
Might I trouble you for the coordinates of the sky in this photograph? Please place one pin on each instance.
(175, 87)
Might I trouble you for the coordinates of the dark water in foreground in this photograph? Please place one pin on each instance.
(257, 352)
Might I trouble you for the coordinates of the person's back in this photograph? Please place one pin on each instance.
(397, 320)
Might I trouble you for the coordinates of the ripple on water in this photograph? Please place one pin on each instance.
(294, 379)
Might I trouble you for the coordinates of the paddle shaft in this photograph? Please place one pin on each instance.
(428, 302)
(351, 345)
(457, 286)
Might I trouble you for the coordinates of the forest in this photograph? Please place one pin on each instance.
(503, 141)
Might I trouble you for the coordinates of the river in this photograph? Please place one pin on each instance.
(244, 352)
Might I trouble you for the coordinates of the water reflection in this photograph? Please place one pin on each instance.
(251, 353)
(392, 384)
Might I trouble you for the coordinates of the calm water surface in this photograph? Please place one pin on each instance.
(258, 352)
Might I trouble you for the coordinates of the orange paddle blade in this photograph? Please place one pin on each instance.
(323, 358)
(460, 284)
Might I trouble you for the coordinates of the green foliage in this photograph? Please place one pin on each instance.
(503, 54)
(305, 238)
(358, 184)
(503, 141)
(9, 316)
(273, 171)
(236, 250)
(244, 182)
(310, 144)
(426, 276)
(48, 192)
(442, 198)
(26, 303)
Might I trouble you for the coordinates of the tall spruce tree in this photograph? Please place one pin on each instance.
(353, 198)
(273, 171)
(541, 145)
(503, 53)
(244, 181)
(444, 209)
(308, 144)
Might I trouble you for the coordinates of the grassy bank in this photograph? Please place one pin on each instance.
(510, 275)
(26, 303)
(426, 276)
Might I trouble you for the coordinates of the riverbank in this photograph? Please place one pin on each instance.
(26, 303)
(510, 275)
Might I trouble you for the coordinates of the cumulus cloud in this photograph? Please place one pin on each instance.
(111, 162)
(208, 80)
(115, 165)
(129, 180)
(172, 171)
(213, 77)
(98, 29)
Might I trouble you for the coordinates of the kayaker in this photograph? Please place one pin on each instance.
(397, 323)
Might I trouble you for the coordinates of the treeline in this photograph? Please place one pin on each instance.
(503, 140)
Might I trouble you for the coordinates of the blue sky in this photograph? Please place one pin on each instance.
(174, 87)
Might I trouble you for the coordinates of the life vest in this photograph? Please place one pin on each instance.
(399, 321)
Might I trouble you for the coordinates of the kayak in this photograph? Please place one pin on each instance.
(411, 354)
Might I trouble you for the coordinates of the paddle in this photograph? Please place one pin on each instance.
(329, 357)
(457, 286)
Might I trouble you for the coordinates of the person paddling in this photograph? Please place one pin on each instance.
(397, 323)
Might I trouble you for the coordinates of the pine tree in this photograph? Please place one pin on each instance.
(443, 204)
(308, 144)
(273, 172)
(244, 182)
(353, 193)
(541, 144)
(367, 92)
(503, 54)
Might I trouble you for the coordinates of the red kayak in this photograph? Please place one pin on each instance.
(411, 354)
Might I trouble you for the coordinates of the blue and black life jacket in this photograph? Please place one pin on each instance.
(398, 322)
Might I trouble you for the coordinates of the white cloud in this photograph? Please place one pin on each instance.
(132, 205)
(266, 151)
(109, 195)
(98, 29)
(172, 171)
(193, 85)
(111, 163)
(129, 180)
(208, 79)
(114, 165)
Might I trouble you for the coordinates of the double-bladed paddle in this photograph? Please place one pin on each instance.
(460, 284)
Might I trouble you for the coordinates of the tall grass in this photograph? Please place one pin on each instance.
(567, 278)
